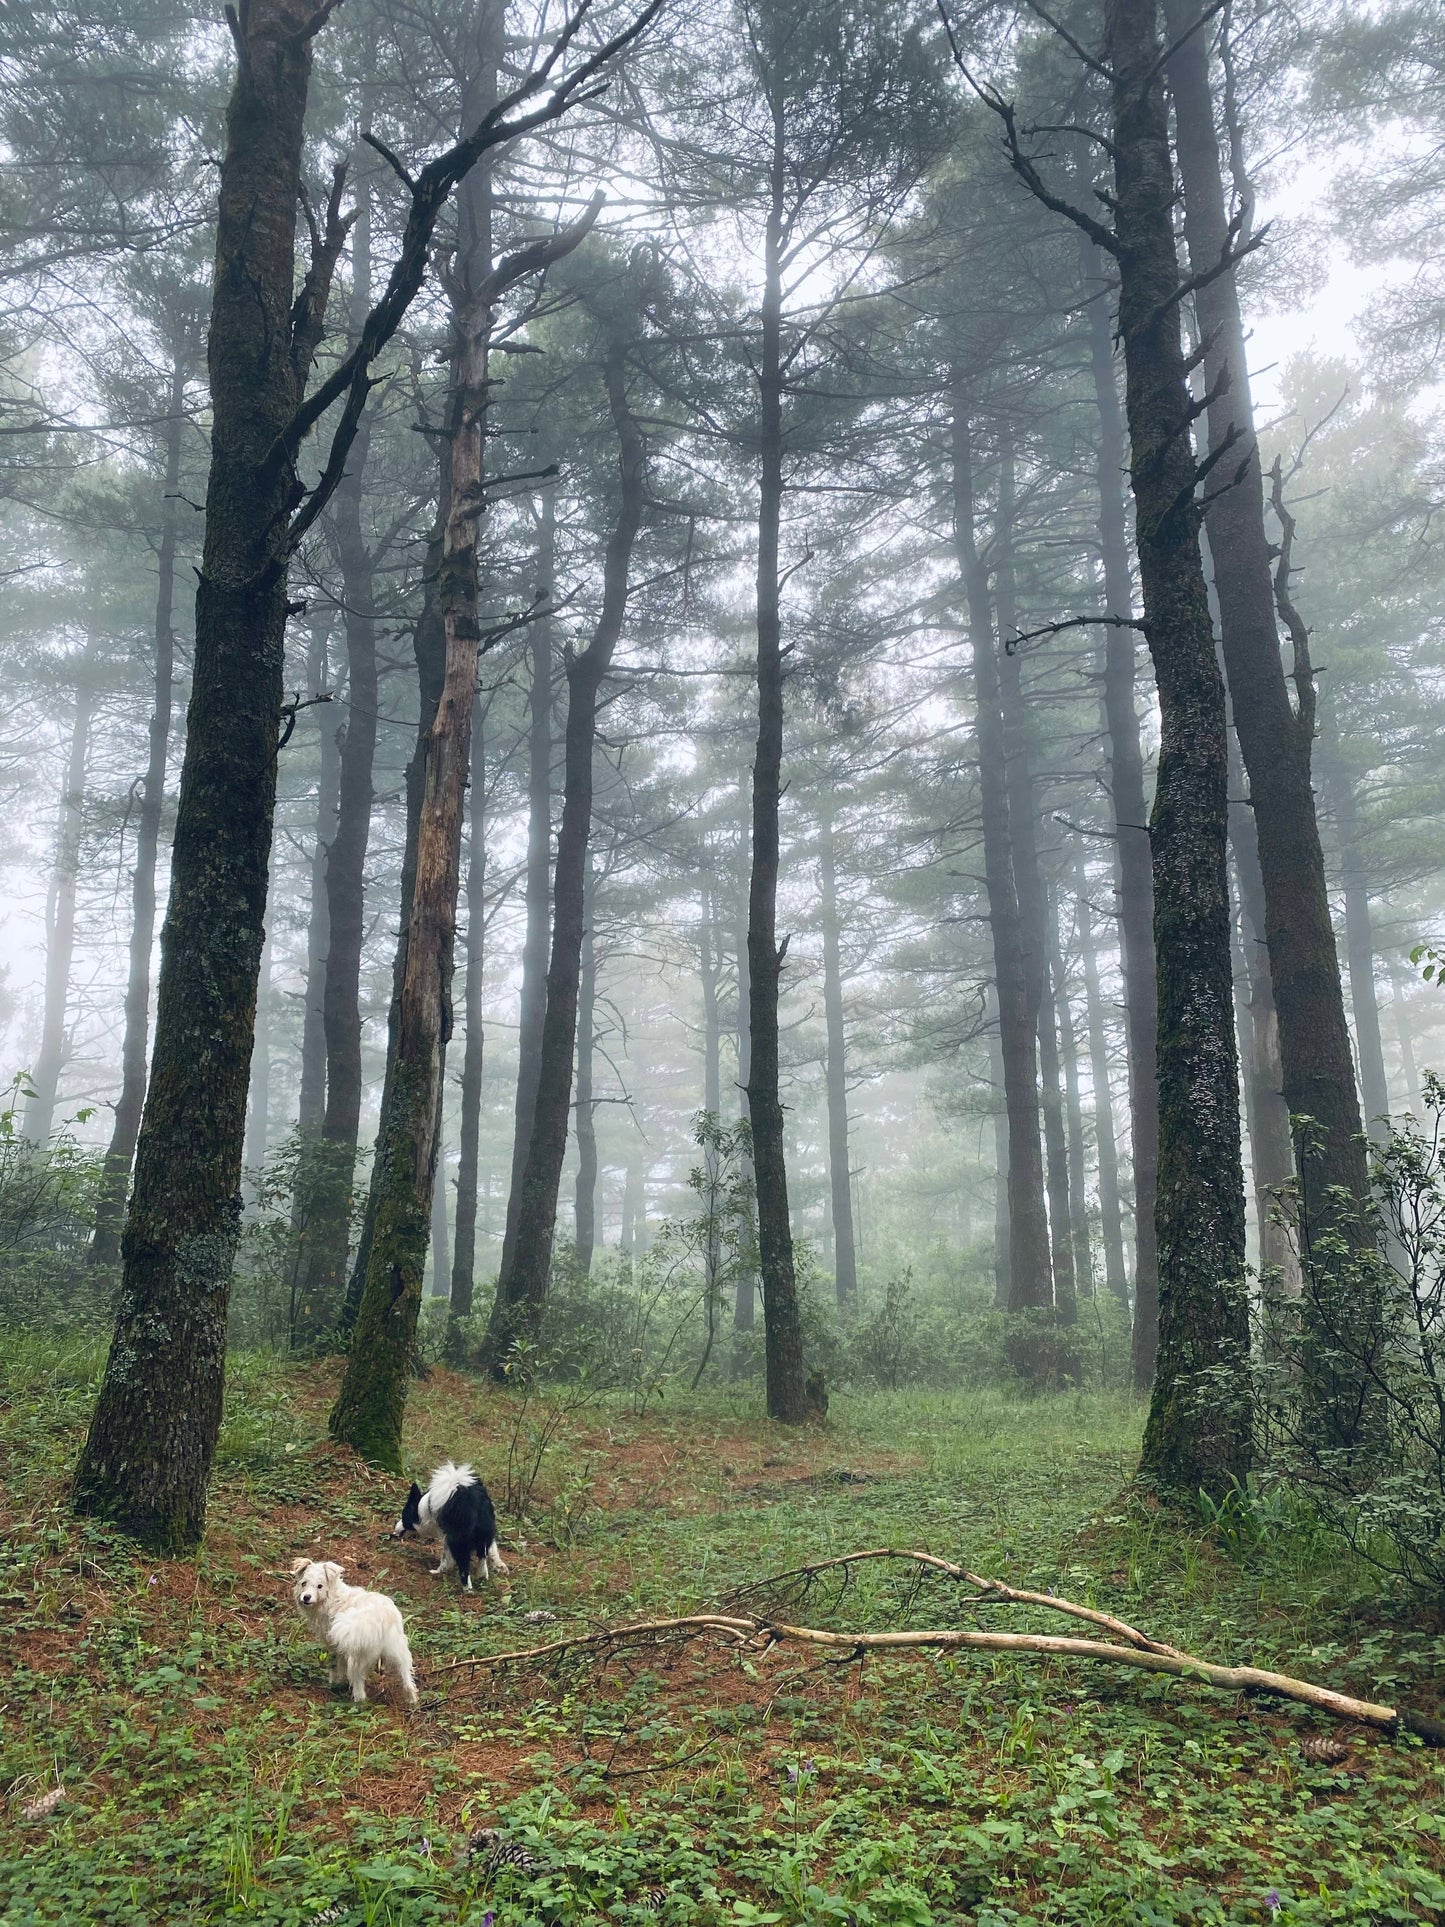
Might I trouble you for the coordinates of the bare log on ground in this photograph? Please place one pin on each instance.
(757, 1632)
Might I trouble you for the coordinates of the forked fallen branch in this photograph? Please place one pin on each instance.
(758, 1630)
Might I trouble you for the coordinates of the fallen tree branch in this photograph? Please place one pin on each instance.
(759, 1632)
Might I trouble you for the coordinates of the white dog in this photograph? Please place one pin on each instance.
(359, 1629)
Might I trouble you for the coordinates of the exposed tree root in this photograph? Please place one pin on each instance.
(758, 1630)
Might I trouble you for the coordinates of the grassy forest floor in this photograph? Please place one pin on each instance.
(205, 1772)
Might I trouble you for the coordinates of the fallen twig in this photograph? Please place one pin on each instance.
(758, 1632)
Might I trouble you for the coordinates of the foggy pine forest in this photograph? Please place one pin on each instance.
(720, 745)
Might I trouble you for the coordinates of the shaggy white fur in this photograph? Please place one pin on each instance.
(361, 1630)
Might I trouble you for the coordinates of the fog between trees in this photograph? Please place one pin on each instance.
(575, 584)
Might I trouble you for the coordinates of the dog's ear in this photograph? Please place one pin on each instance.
(414, 1496)
(333, 1570)
(299, 1565)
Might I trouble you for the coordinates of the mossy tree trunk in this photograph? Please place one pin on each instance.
(147, 1457)
(1199, 1431)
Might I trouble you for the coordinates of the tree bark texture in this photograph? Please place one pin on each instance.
(60, 910)
(782, 1325)
(115, 1179)
(1275, 737)
(440, 1257)
(746, 1294)
(464, 1246)
(148, 1454)
(1030, 1270)
(522, 1285)
(1198, 1432)
(840, 1182)
(1133, 859)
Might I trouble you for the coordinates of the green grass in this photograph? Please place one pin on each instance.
(208, 1775)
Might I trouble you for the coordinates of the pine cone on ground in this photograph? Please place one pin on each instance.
(1324, 1751)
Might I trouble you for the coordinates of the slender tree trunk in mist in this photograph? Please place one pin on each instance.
(1271, 1152)
(115, 1178)
(332, 1157)
(1002, 1242)
(585, 1195)
(60, 910)
(258, 1093)
(1111, 1222)
(1032, 901)
(782, 1328)
(745, 1296)
(311, 1104)
(1405, 1037)
(1275, 739)
(429, 650)
(370, 1405)
(440, 1259)
(1359, 932)
(1195, 1437)
(1069, 1060)
(533, 1010)
(1030, 1274)
(845, 1263)
(522, 1286)
(1131, 828)
(709, 972)
(464, 1249)
(148, 1454)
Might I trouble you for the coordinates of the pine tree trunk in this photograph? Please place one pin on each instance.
(522, 1286)
(585, 1210)
(1198, 1433)
(1030, 1272)
(1032, 902)
(440, 1257)
(709, 972)
(311, 1104)
(845, 1263)
(782, 1328)
(1111, 1223)
(115, 1181)
(258, 1086)
(1359, 933)
(464, 1250)
(1405, 1037)
(1275, 739)
(746, 1291)
(333, 1156)
(535, 943)
(1002, 1238)
(1131, 831)
(429, 650)
(60, 911)
(148, 1454)
(371, 1403)
(1074, 1118)
(1271, 1152)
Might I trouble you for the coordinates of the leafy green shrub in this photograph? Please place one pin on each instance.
(47, 1207)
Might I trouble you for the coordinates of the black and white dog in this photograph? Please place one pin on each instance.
(457, 1509)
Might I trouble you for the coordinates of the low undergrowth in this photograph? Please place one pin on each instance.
(175, 1725)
